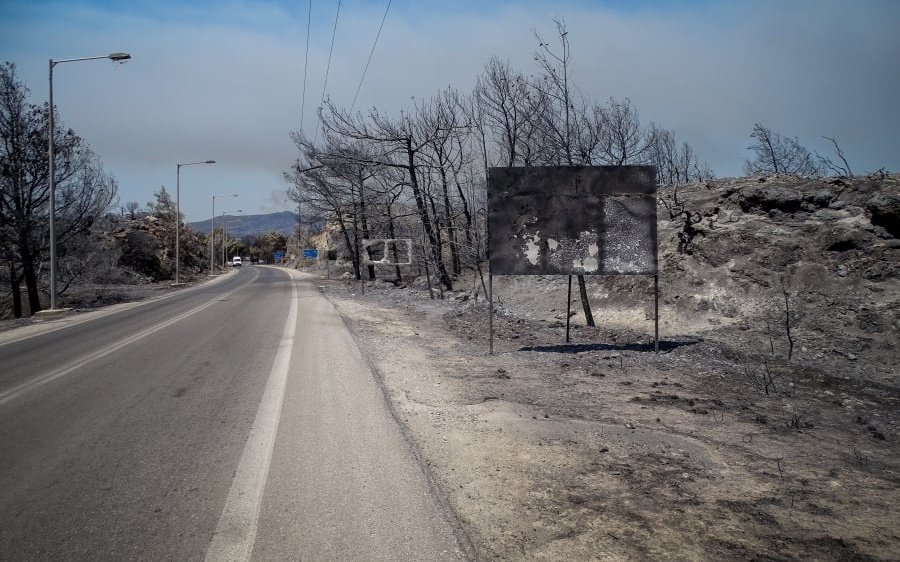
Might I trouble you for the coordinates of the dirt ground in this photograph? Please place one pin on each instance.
(603, 450)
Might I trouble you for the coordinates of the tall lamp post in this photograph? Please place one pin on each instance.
(212, 232)
(178, 215)
(115, 57)
(225, 233)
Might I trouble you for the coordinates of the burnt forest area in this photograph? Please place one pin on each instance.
(765, 429)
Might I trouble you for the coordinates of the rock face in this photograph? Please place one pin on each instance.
(147, 244)
(885, 211)
(831, 245)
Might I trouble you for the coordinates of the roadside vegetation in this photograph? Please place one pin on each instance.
(421, 175)
(107, 252)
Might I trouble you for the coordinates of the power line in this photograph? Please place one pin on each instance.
(328, 66)
(372, 52)
(305, 65)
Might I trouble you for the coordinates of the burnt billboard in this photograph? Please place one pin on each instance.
(572, 220)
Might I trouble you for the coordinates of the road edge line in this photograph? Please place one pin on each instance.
(235, 533)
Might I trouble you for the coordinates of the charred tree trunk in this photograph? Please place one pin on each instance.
(15, 291)
(356, 245)
(585, 303)
(354, 254)
(28, 273)
(438, 224)
(466, 212)
(556, 68)
(364, 221)
(421, 205)
(392, 232)
(427, 272)
(448, 219)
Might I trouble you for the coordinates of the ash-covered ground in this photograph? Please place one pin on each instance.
(766, 429)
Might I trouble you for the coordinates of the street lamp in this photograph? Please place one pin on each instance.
(178, 215)
(115, 57)
(225, 232)
(212, 231)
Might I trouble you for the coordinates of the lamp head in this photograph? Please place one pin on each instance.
(119, 57)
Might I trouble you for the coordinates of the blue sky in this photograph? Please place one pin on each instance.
(223, 80)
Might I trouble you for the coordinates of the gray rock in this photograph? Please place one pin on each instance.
(885, 209)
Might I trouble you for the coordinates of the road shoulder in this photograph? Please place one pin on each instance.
(344, 481)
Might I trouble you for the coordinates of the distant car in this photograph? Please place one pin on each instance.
(236, 261)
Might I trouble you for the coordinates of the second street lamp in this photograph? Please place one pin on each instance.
(178, 215)
(225, 234)
(212, 232)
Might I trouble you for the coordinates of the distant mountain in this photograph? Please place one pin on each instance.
(239, 226)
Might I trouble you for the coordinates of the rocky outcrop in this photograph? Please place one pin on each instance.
(831, 243)
(147, 244)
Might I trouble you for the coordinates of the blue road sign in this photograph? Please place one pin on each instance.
(279, 255)
(310, 254)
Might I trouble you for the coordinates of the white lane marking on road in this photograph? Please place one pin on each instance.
(236, 532)
(41, 380)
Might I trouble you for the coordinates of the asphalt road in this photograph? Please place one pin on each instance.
(231, 421)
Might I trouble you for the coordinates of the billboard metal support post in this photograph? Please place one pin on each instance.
(568, 308)
(491, 312)
(656, 311)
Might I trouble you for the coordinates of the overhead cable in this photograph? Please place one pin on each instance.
(372, 52)
(328, 66)
(305, 65)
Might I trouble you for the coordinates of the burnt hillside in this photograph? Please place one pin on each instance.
(731, 249)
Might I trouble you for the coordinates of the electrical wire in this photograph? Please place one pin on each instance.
(372, 52)
(328, 66)
(305, 65)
